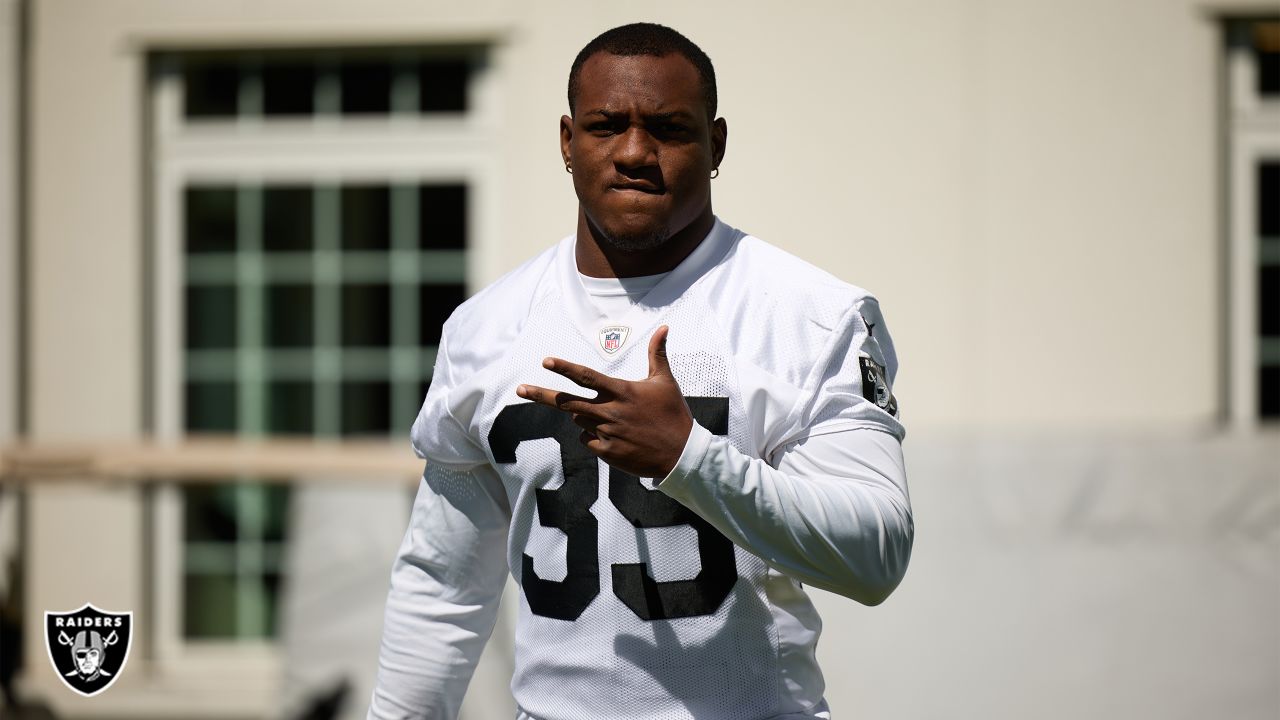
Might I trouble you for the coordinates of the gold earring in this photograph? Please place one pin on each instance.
(715, 173)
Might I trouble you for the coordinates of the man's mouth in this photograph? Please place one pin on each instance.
(637, 186)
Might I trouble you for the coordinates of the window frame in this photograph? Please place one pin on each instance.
(1252, 136)
(333, 150)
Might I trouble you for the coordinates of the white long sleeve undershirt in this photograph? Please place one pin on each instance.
(835, 513)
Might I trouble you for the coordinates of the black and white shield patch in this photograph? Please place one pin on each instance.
(875, 386)
(88, 647)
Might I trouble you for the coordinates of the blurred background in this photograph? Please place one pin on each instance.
(230, 232)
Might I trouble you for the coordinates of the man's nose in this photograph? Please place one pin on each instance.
(636, 148)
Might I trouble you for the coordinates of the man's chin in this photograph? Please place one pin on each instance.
(637, 239)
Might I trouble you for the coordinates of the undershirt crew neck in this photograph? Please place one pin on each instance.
(613, 297)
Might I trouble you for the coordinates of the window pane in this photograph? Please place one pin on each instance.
(1266, 37)
(1269, 199)
(277, 512)
(210, 214)
(209, 607)
(1269, 391)
(267, 589)
(289, 410)
(287, 219)
(210, 88)
(366, 315)
(437, 303)
(366, 86)
(211, 317)
(288, 316)
(366, 217)
(443, 85)
(442, 217)
(366, 408)
(209, 512)
(1269, 300)
(288, 88)
(211, 407)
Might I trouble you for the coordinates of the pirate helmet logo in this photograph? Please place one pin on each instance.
(88, 647)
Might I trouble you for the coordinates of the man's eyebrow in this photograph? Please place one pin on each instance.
(673, 115)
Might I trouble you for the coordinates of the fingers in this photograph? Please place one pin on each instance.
(582, 375)
(658, 364)
(567, 402)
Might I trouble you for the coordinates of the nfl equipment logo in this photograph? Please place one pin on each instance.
(88, 647)
(612, 338)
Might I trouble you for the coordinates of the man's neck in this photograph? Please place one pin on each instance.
(596, 257)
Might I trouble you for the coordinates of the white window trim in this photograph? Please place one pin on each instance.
(408, 149)
(1253, 133)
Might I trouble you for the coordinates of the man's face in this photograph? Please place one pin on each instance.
(642, 147)
(87, 660)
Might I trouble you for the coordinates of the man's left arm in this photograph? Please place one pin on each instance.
(834, 513)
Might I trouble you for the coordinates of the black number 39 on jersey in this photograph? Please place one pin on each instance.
(568, 508)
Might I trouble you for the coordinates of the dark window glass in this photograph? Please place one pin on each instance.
(366, 217)
(209, 512)
(435, 305)
(442, 217)
(288, 88)
(1269, 391)
(366, 86)
(289, 409)
(209, 605)
(1269, 199)
(211, 407)
(211, 89)
(277, 498)
(1269, 300)
(443, 85)
(366, 407)
(366, 315)
(1269, 61)
(286, 218)
(288, 316)
(210, 216)
(211, 317)
(269, 587)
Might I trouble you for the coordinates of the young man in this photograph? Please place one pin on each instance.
(659, 528)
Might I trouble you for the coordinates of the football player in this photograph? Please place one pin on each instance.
(661, 427)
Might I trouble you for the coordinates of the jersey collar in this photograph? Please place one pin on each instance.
(646, 313)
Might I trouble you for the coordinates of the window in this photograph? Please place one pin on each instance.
(313, 214)
(1253, 130)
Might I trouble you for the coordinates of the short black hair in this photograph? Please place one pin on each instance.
(647, 39)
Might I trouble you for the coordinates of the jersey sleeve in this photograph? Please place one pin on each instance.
(834, 513)
(438, 435)
(446, 584)
(851, 384)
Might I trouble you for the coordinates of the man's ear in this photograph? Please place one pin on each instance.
(719, 138)
(566, 135)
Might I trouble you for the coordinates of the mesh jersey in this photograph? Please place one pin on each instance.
(632, 605)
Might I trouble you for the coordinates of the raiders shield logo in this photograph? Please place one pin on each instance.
(875, 386)
(88, 647)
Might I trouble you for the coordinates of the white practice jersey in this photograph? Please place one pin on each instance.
(672, 598)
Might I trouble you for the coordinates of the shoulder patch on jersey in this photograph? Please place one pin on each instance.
(875, 385)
